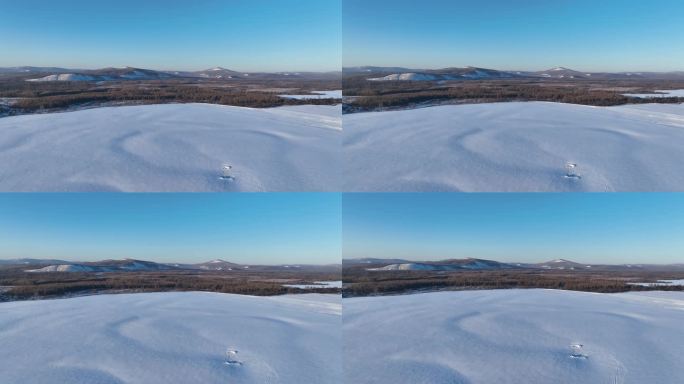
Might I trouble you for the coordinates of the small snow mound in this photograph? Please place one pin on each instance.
(576, 352)
(225, 173)
(231, 358)
(571, 171)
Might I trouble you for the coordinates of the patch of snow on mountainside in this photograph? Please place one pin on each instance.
(406, 267)
(65, 77)
(406, 77)
(64, 268)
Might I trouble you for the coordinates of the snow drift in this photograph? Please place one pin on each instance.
(172, 338)
(173, 147)
(514, 336)
(534, 146)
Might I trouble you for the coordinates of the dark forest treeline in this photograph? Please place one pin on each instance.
(54, 96)
(384, 283)
(26, 286)
(372, 95)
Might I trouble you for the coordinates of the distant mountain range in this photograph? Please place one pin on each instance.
(133, 265)
(50, 74)
(475, 73)
(371, 264)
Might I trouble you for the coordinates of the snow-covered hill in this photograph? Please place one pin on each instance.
(561, 73)
(410, 76)
(125, 265)
(560, 264)
(467, 73)
(444, 265)
(107, 74)
(172, 338)
(515, 337)
(411, 267)
(173, 147)
(65, 268)
(218, 265)
(534, 146)
(66, 77)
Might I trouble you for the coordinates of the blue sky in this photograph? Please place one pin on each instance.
(275, 228)
(592, 228)
(246, 35)
(587, 35)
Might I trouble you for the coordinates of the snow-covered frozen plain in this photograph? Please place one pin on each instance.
(661, 283)
(316, 284)
(658, 94)
(173, 147)
(166, 338)
(515, 336)
(317, 95)
(518, 146)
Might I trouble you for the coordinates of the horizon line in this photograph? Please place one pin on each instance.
(161, 262)
(510, 70)
(90, 68)
(503, 262)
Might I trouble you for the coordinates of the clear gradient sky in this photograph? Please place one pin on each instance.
(245, 35)
(271, 228)
(611, 228)
(587, 35)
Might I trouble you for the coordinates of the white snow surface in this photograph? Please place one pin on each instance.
(406, 77)
(63, 268)
(659, 94)
(64, 77)
(317, 95)
(517, 146)
(169, 338)
(173, 147)
(317, 284)
(661, 283)
(405, 267)
(515, 337)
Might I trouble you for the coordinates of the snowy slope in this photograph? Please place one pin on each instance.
(64, 268)
(412, 267)
(169, 338)
(515, 337)
(516, 147)
(65, 77)
(172, 147)
(406, 77)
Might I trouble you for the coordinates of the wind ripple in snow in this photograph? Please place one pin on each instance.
(515, 336)
(515, 147)
(171, 338)
(172, 147)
